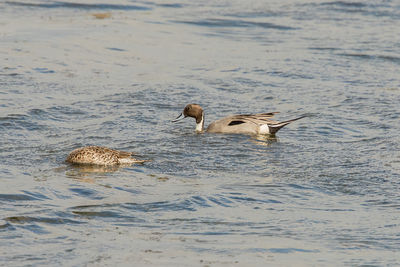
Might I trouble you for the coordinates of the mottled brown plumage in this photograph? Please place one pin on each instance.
(100, 156)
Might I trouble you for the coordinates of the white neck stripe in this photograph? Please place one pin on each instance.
(199, 126)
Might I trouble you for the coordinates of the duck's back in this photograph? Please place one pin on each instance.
(233, 125)
(97, 155)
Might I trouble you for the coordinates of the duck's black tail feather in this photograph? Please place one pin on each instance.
(273, 128)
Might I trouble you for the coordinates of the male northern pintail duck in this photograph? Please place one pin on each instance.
(254, 124)
(99, 155)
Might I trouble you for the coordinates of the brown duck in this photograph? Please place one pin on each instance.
(99, 155)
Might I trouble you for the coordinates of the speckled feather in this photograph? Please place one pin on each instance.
(100, 156)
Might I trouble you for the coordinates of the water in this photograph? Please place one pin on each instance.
(326, 192)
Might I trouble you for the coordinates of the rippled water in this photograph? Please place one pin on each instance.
(326, 192)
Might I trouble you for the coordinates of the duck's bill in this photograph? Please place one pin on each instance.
(180, 117)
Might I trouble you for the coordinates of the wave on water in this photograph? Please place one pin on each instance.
(225, 23)
(79, 6)
(363, 56)
(31, 219)
(344, 4)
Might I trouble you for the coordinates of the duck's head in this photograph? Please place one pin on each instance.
(191, 110)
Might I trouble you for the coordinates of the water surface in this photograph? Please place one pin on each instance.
(325, 192)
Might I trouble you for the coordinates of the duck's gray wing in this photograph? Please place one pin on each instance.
(261, 120)
(258, 119)
(245, 123)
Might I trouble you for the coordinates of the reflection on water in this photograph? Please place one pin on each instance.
(91, 168)
(265, 140)
(324, 191)
(89, 173)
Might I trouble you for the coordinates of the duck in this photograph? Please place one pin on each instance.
(98, 155)
(250, 124)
